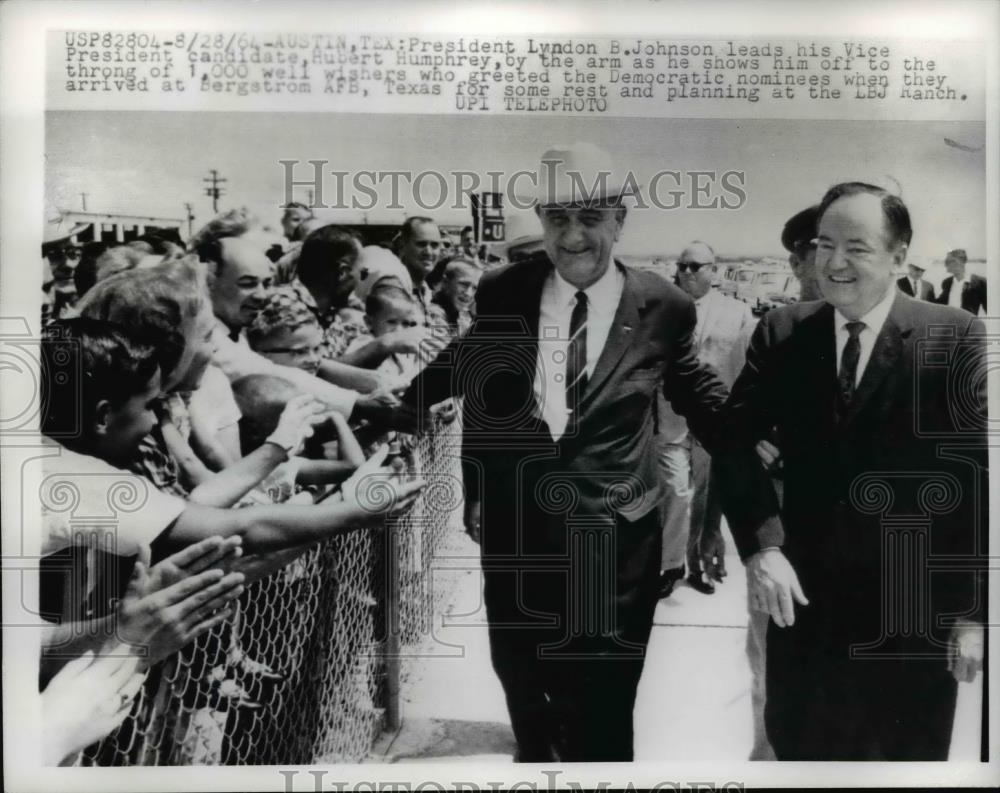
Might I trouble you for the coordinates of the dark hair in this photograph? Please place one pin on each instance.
(894, 211)
(261, 399)
(85, 274)
(382, 297)
(409, 226)
(320, 250)
(83, 361)
(465, 229)
(155, 304)
(297, 205)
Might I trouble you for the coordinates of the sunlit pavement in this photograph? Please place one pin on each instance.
(693, 701)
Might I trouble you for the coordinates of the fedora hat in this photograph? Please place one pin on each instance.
(580, 173)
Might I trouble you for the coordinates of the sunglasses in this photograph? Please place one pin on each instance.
(694, 267)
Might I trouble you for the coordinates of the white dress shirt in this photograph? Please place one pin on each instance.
(955, 295)
(236, 360)
(874, 320)
(558, 300)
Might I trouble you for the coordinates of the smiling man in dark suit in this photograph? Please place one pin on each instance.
(962, 289)
(560, 374)
(872, 573)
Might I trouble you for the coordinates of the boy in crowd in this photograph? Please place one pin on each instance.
(286, 332)
(388, 310)
(456, 294)
(101, 412)
(262, 400)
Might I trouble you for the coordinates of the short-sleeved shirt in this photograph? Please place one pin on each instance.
(214, 400)
(337, 334)
(85, 499)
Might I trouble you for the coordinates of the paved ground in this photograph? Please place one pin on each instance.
(693, 701)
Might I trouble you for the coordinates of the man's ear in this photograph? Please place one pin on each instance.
(102, 418)
(619, 221)
(899, 255)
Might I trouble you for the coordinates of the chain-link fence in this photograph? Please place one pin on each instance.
(307, 670)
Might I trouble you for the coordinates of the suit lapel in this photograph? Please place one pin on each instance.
(708, 319)
(885, 354)
(625, 323)
(522, 307)
(817, 360)
(946, 288)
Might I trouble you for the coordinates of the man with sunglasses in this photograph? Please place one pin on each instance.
(60, 292)
(692, 515)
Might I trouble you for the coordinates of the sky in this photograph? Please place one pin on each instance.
(150, 163)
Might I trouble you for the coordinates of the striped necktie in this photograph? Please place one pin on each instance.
(576, 355)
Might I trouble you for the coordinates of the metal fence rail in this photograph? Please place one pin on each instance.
(308, 667)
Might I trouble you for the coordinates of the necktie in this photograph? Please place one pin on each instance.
(576, 355)
(849, 366)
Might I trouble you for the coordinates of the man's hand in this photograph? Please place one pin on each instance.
(375, 407)
(158, 619)
(713, 556)
(770, 456)
(86, 700)
(773, 585)
(445, 412)
(377, 490)
(296, 423)
(405, 340)
(965, 651)
(196, 558)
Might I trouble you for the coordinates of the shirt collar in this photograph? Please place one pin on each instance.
(875, 318)
(600, 294)
(223, 328)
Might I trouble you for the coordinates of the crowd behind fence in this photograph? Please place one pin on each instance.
(307, 669)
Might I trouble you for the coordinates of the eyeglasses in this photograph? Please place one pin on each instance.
(694, 267)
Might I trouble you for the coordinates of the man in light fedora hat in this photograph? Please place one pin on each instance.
(560, 374)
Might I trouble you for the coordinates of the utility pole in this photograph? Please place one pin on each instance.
(214, 191)
(83, 200)
(190, 217)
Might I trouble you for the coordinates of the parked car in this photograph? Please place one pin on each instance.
(734, 277)
(755, 287)
(788, 293)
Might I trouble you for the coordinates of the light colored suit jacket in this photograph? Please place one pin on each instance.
(721, 337)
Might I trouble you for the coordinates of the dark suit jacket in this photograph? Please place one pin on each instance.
(591, 500)
(973, 296)
(904, 472)
(926, 290)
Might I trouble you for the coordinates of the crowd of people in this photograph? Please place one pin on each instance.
(248, 393)
(242, 383)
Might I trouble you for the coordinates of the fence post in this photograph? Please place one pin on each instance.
(393, 627)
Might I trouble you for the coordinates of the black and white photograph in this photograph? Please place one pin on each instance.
(447, 396)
